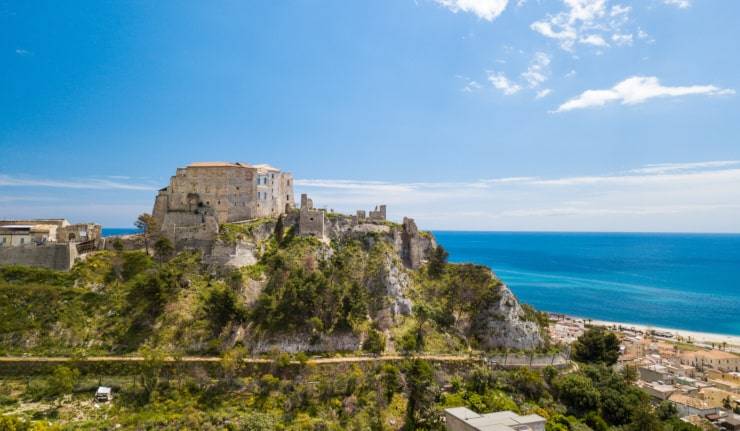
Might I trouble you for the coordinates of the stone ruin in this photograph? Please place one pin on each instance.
(311, 221)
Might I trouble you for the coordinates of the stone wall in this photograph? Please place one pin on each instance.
(53, 256)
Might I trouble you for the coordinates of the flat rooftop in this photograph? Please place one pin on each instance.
(498, 421)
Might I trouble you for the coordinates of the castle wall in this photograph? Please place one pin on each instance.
(53, 256)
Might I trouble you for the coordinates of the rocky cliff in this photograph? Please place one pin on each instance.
(365, 286)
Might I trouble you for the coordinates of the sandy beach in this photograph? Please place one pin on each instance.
(700, 338)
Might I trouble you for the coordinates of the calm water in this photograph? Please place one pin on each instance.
(682, 281)
(110, 231)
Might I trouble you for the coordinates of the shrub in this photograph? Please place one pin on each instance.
(597, 345)
(374, 343)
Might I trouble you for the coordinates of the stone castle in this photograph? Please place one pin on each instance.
(217, 192)
(191, 210)
(204, 195)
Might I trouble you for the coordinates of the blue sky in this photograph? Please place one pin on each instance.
(465, 114)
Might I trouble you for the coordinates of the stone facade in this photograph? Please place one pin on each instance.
(43, 231)
(79, 232)
(312, 221)
(226, 191)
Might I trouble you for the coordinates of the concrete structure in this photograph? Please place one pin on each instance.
(311, 221)
(41, 231)
(655, 373)
(227, 191)
(52, 255)
(659, 391)
(464, 419)
(717, 359)
(688, 405)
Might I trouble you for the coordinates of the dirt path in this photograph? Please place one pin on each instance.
(16, 360)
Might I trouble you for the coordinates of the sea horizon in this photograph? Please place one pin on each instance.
(682, 281)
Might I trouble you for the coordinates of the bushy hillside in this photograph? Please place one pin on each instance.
(352, 293)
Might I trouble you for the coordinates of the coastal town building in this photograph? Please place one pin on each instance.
(659, 391)
(689, 405)
(227, 191)
(464, 419)
(717, 359)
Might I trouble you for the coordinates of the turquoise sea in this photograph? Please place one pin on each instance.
(683, 281)
(112, 231)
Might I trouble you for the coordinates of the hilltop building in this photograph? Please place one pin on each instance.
(47, 243)
(15, 233)
(227, 192)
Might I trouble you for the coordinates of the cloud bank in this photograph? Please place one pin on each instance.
(636, 90)
(688, 197)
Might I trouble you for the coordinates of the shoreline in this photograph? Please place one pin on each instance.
(670, 334)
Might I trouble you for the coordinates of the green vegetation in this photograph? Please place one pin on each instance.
(162, 308)
(597, 345)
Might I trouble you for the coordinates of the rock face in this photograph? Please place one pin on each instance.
(395, 284)
(502, 324)
(243, 253)
(495, 320)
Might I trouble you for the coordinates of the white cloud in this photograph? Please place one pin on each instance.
(538, 70)
(585, 22)
(502, 83)
(543, 93)
(662, 168)
(22, 52)
(91, 184)
(470, 85)
(485, 9)
(622, 39)
(691, 196)
(594, 40)
(681, 4)
(635, 90)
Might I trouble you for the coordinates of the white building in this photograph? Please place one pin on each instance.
(464, 419)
